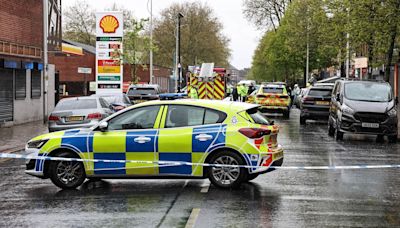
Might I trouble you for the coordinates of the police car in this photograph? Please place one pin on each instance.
(163, 139)
(272, 97)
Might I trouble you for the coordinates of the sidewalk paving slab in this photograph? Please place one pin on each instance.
(15, 137)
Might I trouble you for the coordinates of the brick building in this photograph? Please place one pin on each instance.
(21, 58)
(72, 83)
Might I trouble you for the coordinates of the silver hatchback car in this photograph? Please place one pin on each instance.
(78, 112)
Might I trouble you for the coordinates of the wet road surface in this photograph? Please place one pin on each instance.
(283, 198)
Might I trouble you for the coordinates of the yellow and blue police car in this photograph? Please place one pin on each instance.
(227, 142)
(272, 97)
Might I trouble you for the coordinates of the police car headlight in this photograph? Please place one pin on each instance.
(37, 144)
(347, 110)
(392, 112)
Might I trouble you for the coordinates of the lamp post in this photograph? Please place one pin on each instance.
(151, 41)
(179, 64)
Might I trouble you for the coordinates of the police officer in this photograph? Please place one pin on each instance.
(193, 93)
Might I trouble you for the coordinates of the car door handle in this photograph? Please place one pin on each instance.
(142, 139)
(203, 137)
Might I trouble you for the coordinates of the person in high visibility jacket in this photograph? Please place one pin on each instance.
(193, 93)
(242, 91)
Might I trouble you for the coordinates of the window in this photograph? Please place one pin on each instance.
(320, 92)
(36, 84)
(255, 116)
(213, 117)
(184, 115)
(272, 90)
(139, 118)
(74, 104)
(103, 103)
(20, 84)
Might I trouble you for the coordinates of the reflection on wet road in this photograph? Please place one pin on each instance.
(283, 198)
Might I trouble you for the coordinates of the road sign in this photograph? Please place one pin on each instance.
(361, 62)
(84, 70)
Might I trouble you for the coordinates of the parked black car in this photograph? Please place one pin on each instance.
(143, 92)
(315, 103)
(363, 107)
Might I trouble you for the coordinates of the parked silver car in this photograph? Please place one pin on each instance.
(118, 101)
(78, 112)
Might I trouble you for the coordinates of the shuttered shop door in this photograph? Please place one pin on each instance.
(6, 95)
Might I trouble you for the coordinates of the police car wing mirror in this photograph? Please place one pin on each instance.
(272, 122)
(103, 126)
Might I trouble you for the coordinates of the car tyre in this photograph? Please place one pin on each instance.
(227, 177)
(380, 139)
(338, 134)
(392, 138)
(303, 121)
(67, 174)
(331, 130)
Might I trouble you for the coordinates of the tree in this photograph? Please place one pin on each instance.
(201, 36)
(80, 23)
(265, 13)
(136, 46)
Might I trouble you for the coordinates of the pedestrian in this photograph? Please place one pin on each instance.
(193, 93)
(291, 95)
(251, 89)
(235, 94)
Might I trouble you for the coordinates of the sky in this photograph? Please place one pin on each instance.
(243, 35)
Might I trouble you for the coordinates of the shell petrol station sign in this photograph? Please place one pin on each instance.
(109, 33)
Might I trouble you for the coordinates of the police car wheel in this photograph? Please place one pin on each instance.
(227, 177)
(67, 174)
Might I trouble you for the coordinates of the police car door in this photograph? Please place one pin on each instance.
(183, 137)
(131, 135)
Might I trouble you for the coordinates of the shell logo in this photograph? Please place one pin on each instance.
(109, 24)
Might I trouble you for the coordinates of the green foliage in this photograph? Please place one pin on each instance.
(373, 27)
(201, 36)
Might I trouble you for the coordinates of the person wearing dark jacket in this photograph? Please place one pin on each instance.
(235, 94)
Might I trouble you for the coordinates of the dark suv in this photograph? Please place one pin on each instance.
(363, 107)
(315, 103)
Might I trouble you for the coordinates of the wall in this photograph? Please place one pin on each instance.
(22, 22)
(29, 109)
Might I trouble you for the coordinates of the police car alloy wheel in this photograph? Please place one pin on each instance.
(227, 177)
(67, 174)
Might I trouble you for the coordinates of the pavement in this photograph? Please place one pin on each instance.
(13, 138)
(282, 198)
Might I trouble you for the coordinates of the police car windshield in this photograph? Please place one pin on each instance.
(142, 91)
(272, 90)
(372, 92)
(76, 104)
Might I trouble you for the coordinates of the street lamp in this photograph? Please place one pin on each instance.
(179, 64)
(151, 39)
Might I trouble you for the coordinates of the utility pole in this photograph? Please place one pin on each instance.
(179, 52)
(45, 52)
(176, 57)
(151, 42)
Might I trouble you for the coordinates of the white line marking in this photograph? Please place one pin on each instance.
(192, 218)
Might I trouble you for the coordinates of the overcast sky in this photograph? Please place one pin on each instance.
(244, 36)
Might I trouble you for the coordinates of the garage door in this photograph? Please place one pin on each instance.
(6, 95)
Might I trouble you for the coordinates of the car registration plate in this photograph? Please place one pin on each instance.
(74, 118)
(370, 125)
(277, 155)
(322, 102)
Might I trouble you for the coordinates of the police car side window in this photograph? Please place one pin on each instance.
(138, 118)
(183, 115)
(213, 117)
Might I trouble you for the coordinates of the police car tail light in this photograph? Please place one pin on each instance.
(94, 116)
(54, 118)
(254, 133)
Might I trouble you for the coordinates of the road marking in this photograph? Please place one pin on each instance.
(192, 218)
(205, 188)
